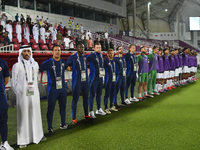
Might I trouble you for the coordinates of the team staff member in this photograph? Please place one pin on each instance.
(153, 66)
(4, 75)
(25, 85)
(143, 70)
(78, 61)
(110, 81)
(131, 77)
(56, 87)
(96, 79)
(121, 73)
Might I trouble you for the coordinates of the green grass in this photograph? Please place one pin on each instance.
(169, 121)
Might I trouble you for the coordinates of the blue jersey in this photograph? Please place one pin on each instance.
(79, 64)
(120, 64)
(96, 61)
(110, 68)
(48, 66)
(4, 73)
(130, 61)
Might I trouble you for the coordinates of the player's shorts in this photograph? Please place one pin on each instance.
(195, 69)
(166, 74)
(143, 77)
(180, 69)
(189, 69)
(160, 75)
(176, 73)
(171, 73)
(185, 69)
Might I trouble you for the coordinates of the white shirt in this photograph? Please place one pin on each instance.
(66, 40)
(71, 44)
(69, 32)
(106, 35)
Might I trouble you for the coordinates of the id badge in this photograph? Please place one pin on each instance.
(83, 75)
(135, 67)
(58, 83)
(101, 72)
(124, 71)
(114, 77)
(30, 89)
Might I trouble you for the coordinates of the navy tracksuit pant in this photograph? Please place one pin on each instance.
(120, 85)
(109, 91)
(130, 80)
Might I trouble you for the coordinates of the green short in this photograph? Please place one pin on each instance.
(143, 77)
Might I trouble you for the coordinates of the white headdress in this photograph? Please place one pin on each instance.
(25, 47)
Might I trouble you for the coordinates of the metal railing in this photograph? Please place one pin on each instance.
(7, 49)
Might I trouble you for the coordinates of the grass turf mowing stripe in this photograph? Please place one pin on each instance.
(169, 121)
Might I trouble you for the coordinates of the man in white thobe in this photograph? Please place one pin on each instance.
(19, 32)
(69, 32)
(35, 32)
(81, 28)
(42, 33)
(25, 85)
(54, 35)
(88, 35)
(27, 33)
(3, 24)
(10, 30)
(106, 35)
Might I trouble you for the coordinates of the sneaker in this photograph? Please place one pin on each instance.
(43, 138)
(156, 93)
(22, 146)
(172, 87)
(91, 114)
(100, 112)
(88, 117)
(107, 111)
(169, 88)
(6, 146)
(124, 104)
(113, 108)
(127, 101)
(148, 96)
(140, 98)
(134, 99)
(50, 132)
(117, 107)
(74, 122)
(161, 91)
(65, 126)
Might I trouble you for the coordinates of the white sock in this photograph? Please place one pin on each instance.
(160, 87)
(165, 86)
(139, 94)
(145, 93)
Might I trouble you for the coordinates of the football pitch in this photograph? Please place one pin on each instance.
(170, 121)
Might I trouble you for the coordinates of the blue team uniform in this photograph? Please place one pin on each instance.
(120, 80)
(79, 65)
(130, 73)
(96, 83)
(110, 85)
(4, 73)
(52, 92)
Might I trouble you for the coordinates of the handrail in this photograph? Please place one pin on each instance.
(7, 49)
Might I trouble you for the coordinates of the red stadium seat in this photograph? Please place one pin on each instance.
(44, 47)
(16, 46)
(14, 35)
(35, 47)
(40, 41)
(15, 41)
(55, 42)
(25, 42)
(32, 41)
(31, 36)
(50, 46)
(62, 48)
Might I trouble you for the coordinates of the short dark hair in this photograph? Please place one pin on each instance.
(110, 49)
(118, 47)
(55, 45)
(79, 44)
(130, 46)
(97, 43)
(155, 47)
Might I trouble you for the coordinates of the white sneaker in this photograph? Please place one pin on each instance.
(127, 101)
(134, 99)
(113, 108)
(107, 111)
(91, 114)
(100, 112)
(6, 146)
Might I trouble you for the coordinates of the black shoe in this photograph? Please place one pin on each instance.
(65, 126)
(124, 104)
(50, 132)
(117, 107)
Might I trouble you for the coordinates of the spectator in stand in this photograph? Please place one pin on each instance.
(47, 20)
(3, 24)
(6, 39)
(48, 34)
(59, 37)
(65, 31)
(19, 32)
(61, 24)
(102, 44)
(22, 19)
(1, 29)
(90, 44)
(40, 22)
(23, 25)
(37, 19)
(69, 32)
(56, 26)
(111, 44)
(17, 18)
(31, 28)
(77, 27)
(66, 41)
(10, 30)
(35, 32)
(61, 29)
(81, 28)
(88, 34)
(71, 44)
(106, 45)
(85, 43)
(78, 40)
(42, 19)
(150, 49)
(69, 24)
(84, 35)
(96, 41)
(51, 28)
(53, 34)
(28, 20)
(42, 33)
(4, 17)
(27, 33)
(73, 25)
(111, 31)
(106, 35)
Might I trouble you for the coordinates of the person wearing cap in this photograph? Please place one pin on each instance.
(185, 65)
(153, 66)
(143, 70)
(4, 75)
(6, 39)
(172, 69)
(131, 76)
(78, 61)
(56, 87)
(166, 68)
(25, 85)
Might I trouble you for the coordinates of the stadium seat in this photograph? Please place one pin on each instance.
(55, 42)
(16, 46)
(31, 36)
(35, 47)
(32, 41)
(40, 41)
(14, 35)
(62, 48)
(15, 41)
(44, 47)
(50, 46)
(25, 42)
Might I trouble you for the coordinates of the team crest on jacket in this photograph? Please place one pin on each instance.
(63, 64)
(0, 68)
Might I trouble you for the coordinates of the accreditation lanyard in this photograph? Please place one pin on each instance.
(83, 72)
(113, 72)
(58, 79)
(134, 63)
(61, 68)
(123, 65)
(26, 72)
(98, 60)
